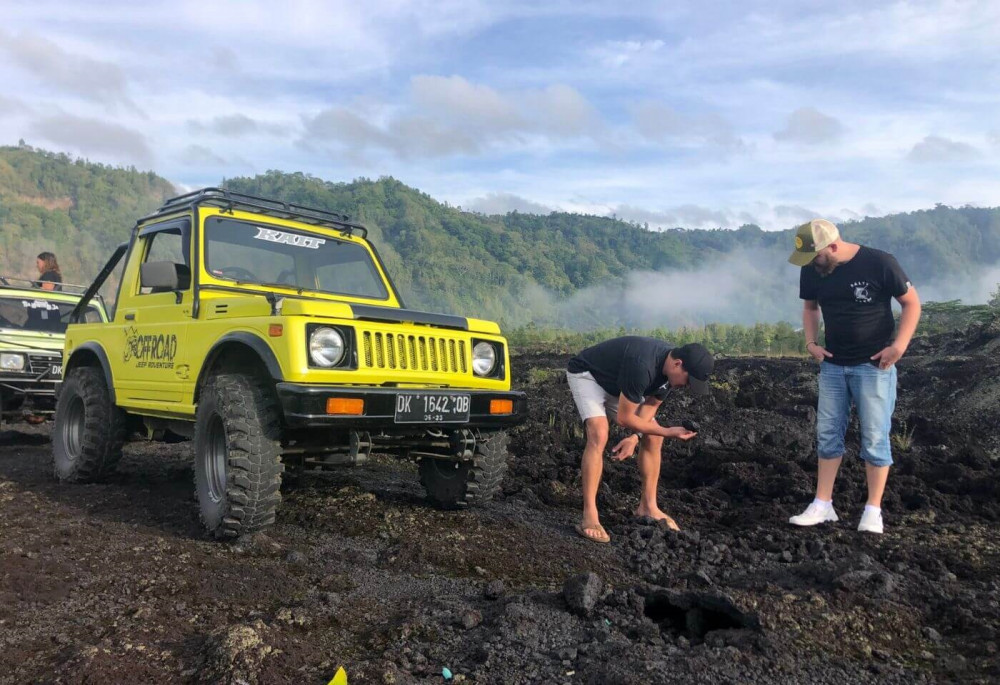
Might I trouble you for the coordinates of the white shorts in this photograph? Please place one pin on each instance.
(591, 399)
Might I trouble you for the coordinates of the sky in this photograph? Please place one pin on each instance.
(693, 114)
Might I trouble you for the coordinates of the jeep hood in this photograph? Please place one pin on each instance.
(364, 312)
(16, 340)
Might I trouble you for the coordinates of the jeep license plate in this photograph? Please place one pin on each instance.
(56, 370)
(432, 408)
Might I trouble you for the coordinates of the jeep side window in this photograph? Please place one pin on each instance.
(167, 246)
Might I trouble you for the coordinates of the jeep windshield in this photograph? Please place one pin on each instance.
(40, 315)
(259, 254)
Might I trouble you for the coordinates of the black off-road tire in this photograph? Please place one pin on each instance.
(459, 484)
(237, 455)
(90, 429)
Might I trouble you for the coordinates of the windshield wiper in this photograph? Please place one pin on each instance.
(297, 288)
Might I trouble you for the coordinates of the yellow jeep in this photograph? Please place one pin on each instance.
(271, 334)
(32, 326)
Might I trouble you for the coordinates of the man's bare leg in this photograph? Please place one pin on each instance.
(590, 471)
(826, 475)
(650, 455)
(877, 477)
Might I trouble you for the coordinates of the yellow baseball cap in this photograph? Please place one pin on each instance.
(812, 237)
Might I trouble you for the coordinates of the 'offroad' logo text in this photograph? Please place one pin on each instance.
(150, 351)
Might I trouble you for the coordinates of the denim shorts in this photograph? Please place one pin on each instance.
(873, 392)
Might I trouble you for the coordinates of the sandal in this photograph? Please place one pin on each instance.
(602, 538)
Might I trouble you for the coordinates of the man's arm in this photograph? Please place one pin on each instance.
(810, 326)
(641, 420)
(910, 302)
(626, 447)
(908, 319)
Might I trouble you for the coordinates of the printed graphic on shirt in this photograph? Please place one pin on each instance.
(862, 292)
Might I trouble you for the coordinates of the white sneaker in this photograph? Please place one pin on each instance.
(871, 521)
(815, 514)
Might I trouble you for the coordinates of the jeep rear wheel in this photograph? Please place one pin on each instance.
(454, 484)
(237, 455)
(90, 430)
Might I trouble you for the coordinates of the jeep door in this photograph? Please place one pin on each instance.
(155, 320)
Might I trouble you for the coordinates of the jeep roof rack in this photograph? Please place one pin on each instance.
(30, 284)
(228, 200)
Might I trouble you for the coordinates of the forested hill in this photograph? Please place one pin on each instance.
(76, 209)
(564, 269)
(588, 271)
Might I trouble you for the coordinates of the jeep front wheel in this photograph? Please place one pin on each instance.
(454, 484)
(90, 430)
(237, 455)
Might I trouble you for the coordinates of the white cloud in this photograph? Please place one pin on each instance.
(78, 74)
(502, 203)
(681, 216)
(453, 116)
(12, 106)
(618, 53)
(940, 149)
(199, 155)
(810, 126)
(459, 101)
(235, 126)
(660, 123)
(94, 137)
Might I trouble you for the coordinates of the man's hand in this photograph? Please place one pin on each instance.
(888, 357)
(626, 448)
(680, 433)
(819, 352)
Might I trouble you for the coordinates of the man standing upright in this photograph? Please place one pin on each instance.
(625, 379)
(853, 285)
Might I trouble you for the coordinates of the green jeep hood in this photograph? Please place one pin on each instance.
(14, 340)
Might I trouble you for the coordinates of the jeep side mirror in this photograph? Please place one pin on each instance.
(158, 276)
(161, 277)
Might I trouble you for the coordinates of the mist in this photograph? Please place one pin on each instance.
(748, 287)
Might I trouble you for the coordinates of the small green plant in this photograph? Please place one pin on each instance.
(541, 375)
(903, 440)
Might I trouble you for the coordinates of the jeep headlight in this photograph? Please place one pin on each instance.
(11, 362)
(484, 359)
(326, 347)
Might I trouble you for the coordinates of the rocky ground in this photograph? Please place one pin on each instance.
(115, 583)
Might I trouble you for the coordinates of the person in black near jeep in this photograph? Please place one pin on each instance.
(625, 380)
(50, 276)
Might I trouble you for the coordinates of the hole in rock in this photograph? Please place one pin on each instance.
(696, 614)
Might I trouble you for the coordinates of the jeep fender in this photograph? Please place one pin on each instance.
(240, 339)
(85, 355)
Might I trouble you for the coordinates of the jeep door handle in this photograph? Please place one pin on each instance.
(130, 316)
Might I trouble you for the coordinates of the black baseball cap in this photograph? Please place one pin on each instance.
(698, 362)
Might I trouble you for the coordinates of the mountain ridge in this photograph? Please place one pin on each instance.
(565, 269)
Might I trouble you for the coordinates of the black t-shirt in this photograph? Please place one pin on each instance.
(630, 366)
(49, 277)
(856, 300)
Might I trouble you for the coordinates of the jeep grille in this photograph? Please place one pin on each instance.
(39, 363)
(413, 352)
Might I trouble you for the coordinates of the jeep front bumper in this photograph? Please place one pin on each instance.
(28, 392)
(306, 406)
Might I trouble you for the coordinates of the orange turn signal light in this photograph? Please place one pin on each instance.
(353, 406)
(501, 406)
(275, 330)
